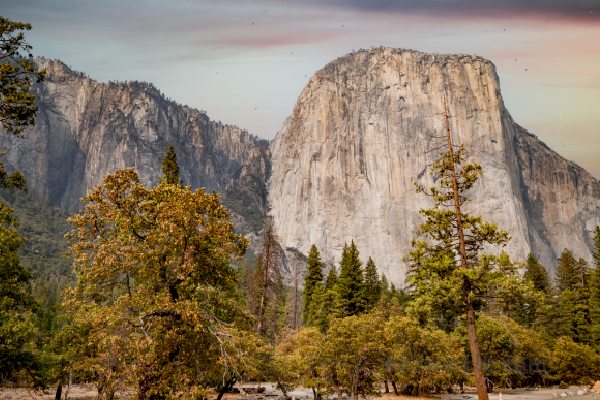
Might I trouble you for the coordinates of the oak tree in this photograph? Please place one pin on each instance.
(154, 288)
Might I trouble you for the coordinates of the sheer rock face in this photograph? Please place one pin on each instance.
(85, 130)
(344, 163)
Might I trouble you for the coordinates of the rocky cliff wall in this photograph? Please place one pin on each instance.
(344, 163)
(85, 129)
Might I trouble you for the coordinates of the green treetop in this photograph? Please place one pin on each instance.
(350, 282)
(595, 291)
(170, 168)
(17, 72)
(596, 250)
(372, 285)
(537, 274)
(313, 279)
(384, 286)
(568, 271)
(331, 280)
(17, 111)
(448, 268)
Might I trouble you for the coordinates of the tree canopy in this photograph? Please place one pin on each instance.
(154, 285)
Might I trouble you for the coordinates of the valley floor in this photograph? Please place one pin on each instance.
(88, 393)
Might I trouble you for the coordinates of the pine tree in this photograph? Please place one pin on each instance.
(327, 302)
(331, 280)
(372, 284)
(316, 315)
(567, 274)
(271, 271)
(384, 287)
(582, 303)
(595, 291)
(536, 274)
(350, 282)
(170, 169)
(564, 315)
(313, 279)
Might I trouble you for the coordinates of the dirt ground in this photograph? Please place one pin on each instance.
(88, 393)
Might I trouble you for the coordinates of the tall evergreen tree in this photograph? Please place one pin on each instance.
(18, 110)
(271, 270)
(384, 287)
(582, 303)
(595, 291)
(372, 285)
(564, 315)
(313, 279)
(331, 280)
(326, 298)
(537, 274)
(350, 282)
(567, 273)
(170, 169)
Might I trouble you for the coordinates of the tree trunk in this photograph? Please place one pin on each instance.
(395, 388)
(473, 341)
(282, 388)
(314, 393)
(230, 382)
(482, 392)
(387, 388)
(269, 255)
(58, 392)
(295, 324)
(263, 300)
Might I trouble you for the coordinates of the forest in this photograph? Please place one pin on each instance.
(149, 293)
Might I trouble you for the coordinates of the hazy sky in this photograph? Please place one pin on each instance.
(209, 55)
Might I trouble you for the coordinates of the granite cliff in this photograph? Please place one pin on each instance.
(85, 129)
(341, 168)
(344, 163)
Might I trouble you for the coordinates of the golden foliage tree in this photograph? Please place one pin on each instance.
(155, 288)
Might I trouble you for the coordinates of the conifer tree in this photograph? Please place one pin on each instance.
(536, 274)
(447, 263)
(18, 110)
(372, 284)
(384, 287)
(327, 301)
(170, 169)
(567, 273)
(313, 279)
(271, 271)
(350, 282)
(331, 280)
(595, 291)
(582, 303)
(564, 315)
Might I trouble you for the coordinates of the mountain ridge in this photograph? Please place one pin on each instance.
(341, 167)
(360, 135)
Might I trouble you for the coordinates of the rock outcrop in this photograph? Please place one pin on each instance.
(85, 129)
(361, 133)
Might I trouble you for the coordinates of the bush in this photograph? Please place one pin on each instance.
(574, 363)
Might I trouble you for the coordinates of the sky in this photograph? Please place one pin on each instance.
(246, 61)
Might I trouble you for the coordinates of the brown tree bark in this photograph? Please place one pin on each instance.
(58, 392)
(470, 311)
(270, 258)
(395, 388)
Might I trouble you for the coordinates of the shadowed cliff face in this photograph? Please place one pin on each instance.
(85, 130)
(344, 163)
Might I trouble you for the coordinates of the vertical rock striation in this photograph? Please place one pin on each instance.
(85, 130)
(361, 134)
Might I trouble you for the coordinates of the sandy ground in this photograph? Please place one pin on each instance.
(88, 393)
